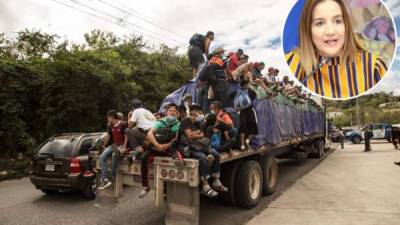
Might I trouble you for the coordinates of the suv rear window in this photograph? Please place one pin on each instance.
(85, 146)
(58, 148)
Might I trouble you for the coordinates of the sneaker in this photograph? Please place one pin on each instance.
(210, 160)
(104, 184)
(242, 147)
(248, 143)
(144, 192)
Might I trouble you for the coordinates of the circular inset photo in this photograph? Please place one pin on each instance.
(339, 49)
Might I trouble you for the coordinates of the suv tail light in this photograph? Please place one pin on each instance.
(75, 165)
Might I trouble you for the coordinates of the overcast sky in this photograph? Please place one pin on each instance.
(253, 25)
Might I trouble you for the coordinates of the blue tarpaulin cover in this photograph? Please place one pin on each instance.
(276, 121)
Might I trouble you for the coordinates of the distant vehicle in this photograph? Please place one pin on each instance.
(379, 130)
(62, 162)
(355, 136)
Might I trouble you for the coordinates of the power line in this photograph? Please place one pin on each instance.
(138, 13)
(122, 20)
(102, 18)
(142, 18)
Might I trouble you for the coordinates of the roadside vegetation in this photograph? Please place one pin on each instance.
(49, 86)
(369, 110)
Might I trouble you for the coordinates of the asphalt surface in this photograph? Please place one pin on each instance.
(349, 187)
(21, 203)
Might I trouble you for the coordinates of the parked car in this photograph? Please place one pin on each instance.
(379, 130)
(355, 136)
(62, 163)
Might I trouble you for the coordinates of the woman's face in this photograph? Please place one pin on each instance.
(327, 28)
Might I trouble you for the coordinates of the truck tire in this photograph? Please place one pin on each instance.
(248, 184)
(269, 168)
(228, 175)
(89, 190)
(356, 140)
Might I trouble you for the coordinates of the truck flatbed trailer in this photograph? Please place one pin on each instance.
(247, 174)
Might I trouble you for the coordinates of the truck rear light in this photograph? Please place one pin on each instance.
(75, 165)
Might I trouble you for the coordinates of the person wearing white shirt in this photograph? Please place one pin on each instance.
(140, 122)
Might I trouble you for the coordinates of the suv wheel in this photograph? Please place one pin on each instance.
(356, 140)
(90, 188)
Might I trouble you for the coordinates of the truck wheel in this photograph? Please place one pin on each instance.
(356, 140)
(90, 188)
(248, 184)
(228, 175)
(50, 191)
(269, 168)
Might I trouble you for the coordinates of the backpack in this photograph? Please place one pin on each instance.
(234, 116)
(216, 140)
(242, 99)
(197, 40)
(165, 135)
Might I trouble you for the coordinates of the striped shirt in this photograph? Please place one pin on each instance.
(340, 80)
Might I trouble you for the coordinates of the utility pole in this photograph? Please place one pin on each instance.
(358, 115)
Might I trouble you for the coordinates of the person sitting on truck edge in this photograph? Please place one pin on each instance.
(140, 122)
(224, 122)
(162, 139)
(199, 45)
(218, 142)
(190, 133)
(117, 132)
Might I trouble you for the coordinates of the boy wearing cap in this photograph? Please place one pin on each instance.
(190, 133)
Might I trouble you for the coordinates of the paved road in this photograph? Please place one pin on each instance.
(349, 187)
(20, 203)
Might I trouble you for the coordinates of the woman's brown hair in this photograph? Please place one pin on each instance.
(307, 51)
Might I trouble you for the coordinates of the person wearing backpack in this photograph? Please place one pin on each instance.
(162, 139)
(224, 121)
(198, 45)
(218, 141)
(191, 134)
(243, 103)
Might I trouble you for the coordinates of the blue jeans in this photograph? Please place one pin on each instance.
(203, 164)
(107, 153)
(202, 97)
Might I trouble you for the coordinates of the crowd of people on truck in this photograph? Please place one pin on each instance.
(216, 121)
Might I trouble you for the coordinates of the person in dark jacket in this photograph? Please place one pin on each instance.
(367, 137)
(199, 45)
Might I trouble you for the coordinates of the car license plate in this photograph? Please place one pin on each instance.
(49, 167)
